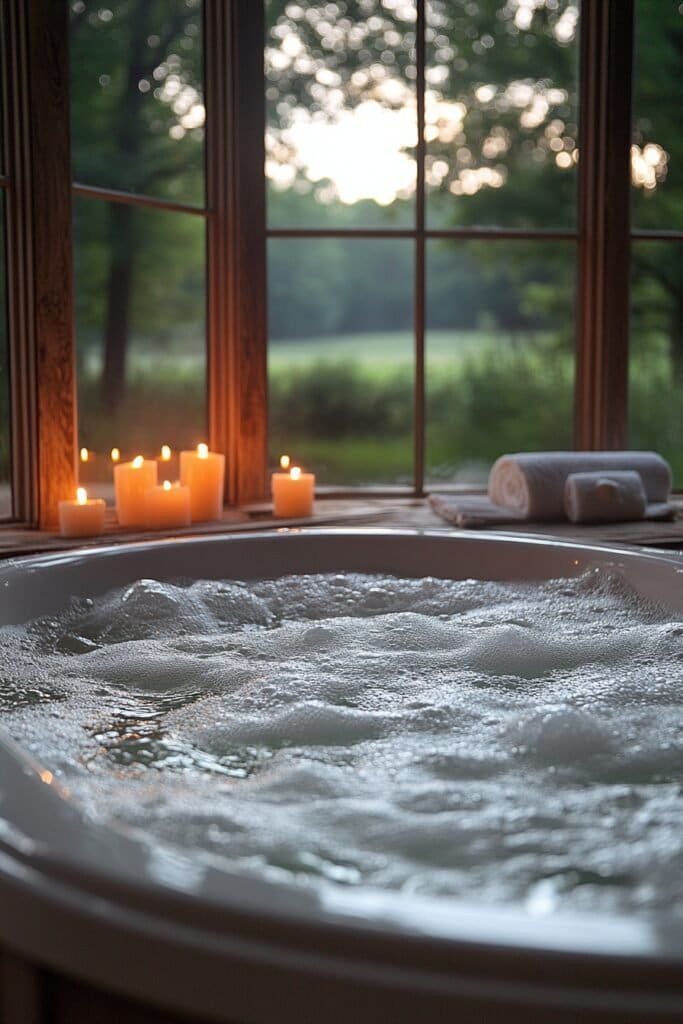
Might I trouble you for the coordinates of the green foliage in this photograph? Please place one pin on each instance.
(128, 133)
(514, 79)
(5, 445)
(165, 405)
(136, 75)
(338, 400)
(343, 417)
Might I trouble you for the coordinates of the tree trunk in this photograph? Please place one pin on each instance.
(117, 319)
(129, 133)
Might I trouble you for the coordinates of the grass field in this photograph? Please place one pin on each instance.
(343, 405)
(381, 351)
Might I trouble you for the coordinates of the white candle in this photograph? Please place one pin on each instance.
(293, 492)
(167, 506)
(83, 517)
(203, 472)
(131, 481)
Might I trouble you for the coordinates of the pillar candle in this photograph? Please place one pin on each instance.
(203, 472)
(167, 506)
(83, 517)
(131, 481)
(293, 492)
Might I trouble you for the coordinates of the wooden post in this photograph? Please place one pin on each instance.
(40, 258)
(235, 102)
(604, 249)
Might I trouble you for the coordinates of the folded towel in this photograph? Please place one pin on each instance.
(532, 483)
(476, 512)
(607, 497)
(472, 511)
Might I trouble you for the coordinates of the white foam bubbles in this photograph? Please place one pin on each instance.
(506, 742)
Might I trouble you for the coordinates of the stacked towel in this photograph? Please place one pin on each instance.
(609, 497)
(533, 483)
(530, 486)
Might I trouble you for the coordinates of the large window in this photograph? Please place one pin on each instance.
(5, 422)
(421, 163)
(444, 219)
(137, 136)
(656, 363)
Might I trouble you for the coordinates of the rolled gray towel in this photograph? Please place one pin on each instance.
(608, 497)
(532, 483)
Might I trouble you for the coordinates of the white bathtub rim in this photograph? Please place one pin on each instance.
(221, 977)
(621, 557)
(418, 921)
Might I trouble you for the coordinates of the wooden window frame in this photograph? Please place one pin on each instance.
(37, 190)
(39, 257)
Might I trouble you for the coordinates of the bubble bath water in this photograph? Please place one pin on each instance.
(503, 743)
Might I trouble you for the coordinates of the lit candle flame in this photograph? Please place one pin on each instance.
(115, 454)
(166, 485)
(137, 462)
(295, 472)
(284, 461)
(81, 495)
(165, 453)
(203, 451)
(85, 454)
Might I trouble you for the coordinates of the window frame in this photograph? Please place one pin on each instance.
(37, 188)
(39, 258)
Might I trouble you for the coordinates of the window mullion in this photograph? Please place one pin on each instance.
(113, 195)
(420, 255)
(236, 242)
(602, 358)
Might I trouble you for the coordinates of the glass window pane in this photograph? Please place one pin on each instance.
(502, 113)
(137, 109)
(2, 87)
(140, 319)
(5, 440)
(341, 358)
(656, 357)
(499, 353)
(657, 151)
(341, 113)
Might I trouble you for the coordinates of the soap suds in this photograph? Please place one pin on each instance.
(509, 743)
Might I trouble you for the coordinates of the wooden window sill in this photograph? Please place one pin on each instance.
(392, 513)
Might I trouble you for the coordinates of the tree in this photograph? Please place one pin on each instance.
(501, 98)
(501, 112)
(658, 171)
(137, 120)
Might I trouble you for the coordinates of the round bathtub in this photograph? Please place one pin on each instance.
(92, 929)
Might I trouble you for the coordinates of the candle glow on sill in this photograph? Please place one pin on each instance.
(85, 454)
(284, 461)
(115, 454)
(81, 495)
(295, 472)
(137, 462)
(203, 451)
(166, 485)
(165, 453)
